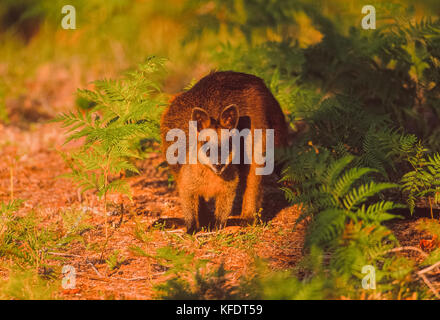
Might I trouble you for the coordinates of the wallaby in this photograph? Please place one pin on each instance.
(222, 100)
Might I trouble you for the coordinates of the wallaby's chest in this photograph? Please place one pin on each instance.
(197, 179)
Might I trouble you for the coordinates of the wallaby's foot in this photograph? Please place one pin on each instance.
(246, 220)
(190, 206)
(191, 222)
(223, 209)
(191, 230)
(249, 209)
(220, 224)
(191, 226)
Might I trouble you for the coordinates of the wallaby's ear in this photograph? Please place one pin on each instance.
(229, 117)
(202, 118)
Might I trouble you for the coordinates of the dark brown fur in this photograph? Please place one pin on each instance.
(197, 182)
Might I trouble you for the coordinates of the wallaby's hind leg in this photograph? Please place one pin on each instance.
(252, 197)
(223, 208)
(190, 206)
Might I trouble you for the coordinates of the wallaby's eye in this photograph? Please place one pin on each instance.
(229, 117)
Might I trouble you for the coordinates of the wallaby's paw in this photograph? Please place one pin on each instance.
(247, 220)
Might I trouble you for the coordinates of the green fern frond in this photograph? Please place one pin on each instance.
(357, 196)
(328, 225)
(335, 169)
(340, 188)
(123, 111)
(378, 212)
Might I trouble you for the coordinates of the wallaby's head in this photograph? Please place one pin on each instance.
(212, 137)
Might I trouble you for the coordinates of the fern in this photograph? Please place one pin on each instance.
(347, 220)
(124, 111)
(358, 196)
(424, 179)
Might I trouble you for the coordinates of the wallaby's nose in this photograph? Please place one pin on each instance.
(218, 168)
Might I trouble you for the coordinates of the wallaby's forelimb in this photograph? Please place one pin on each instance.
(252, 198)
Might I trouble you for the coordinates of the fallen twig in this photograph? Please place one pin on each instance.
(429, 284)
(425, 279)
(99, 279)
(204, 234)
(437, 264)
(408, 248)
(175, 231)
(132, 279)
(93, 267)
(421, 273)
(139, 278)
(64, 254)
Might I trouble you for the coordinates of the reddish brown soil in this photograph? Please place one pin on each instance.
(33, 155)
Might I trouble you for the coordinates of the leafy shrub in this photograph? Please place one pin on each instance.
(335, 195)
(26, 246)
(367, 98)
(26, 285)
(424, 179)
(21, 239)
(114, 261)
(346, 222)
(124, 111)
(386, 77)
(190, 279)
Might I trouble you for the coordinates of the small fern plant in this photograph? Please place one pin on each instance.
(7, 210)
(346, 213)
(335, 195)
(123, 111)
(424, 179)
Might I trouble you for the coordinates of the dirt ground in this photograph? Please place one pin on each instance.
(34, 156)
